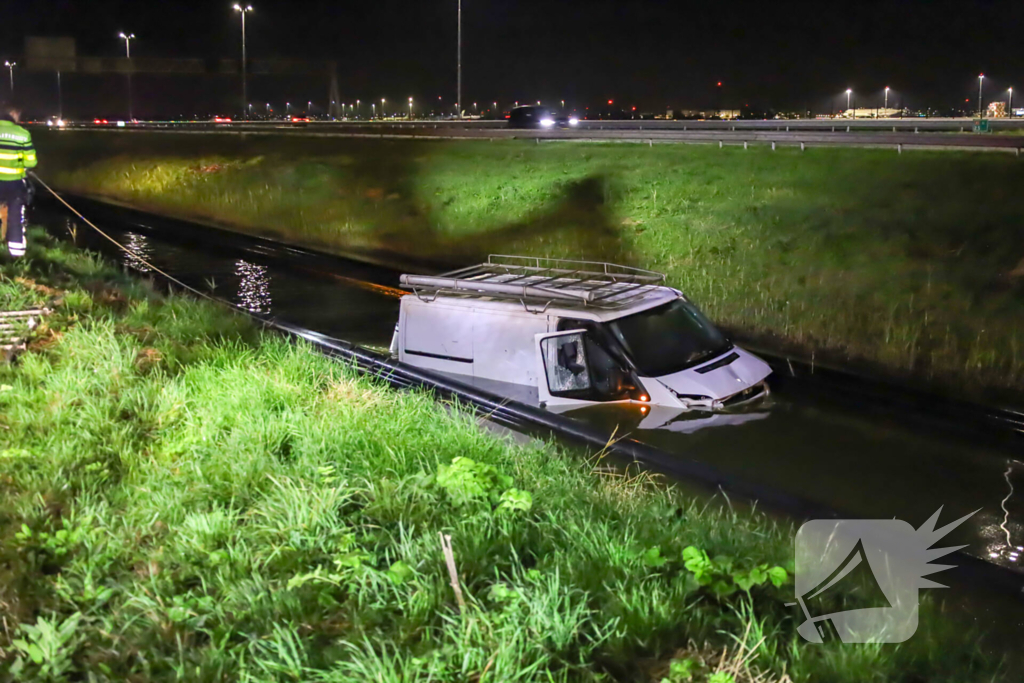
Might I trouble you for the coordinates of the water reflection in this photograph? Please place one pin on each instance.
(253, 286)
(683, 421)
(1001, 546)
(636, 417)
(140, 250)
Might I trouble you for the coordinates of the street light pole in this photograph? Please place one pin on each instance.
(981, 82)
(10, 68)
(849, 92)
(1009, 107)
(245, 85)
(382, 107)
(410, 109)
(886, 98)
(128, 38)
(458, 95)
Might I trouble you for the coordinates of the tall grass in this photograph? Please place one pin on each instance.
(185, 497)
(911, 263)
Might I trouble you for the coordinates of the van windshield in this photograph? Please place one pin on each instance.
(669, 338)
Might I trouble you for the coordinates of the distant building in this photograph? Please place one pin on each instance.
(704, 113)
(996, 110)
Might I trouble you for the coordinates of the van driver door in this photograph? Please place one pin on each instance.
(571, 368)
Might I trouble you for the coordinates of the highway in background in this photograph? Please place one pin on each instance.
(897, 134)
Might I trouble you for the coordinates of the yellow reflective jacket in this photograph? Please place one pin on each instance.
(16, 151)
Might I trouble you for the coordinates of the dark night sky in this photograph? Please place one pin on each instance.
(644, 52)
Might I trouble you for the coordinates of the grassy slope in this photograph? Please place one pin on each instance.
(182, 496)
(912, 262)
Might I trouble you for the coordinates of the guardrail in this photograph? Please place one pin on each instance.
(595, 131)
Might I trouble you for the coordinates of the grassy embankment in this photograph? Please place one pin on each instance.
(913, 264)
(185, 497)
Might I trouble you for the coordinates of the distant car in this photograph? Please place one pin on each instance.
(534, 116)
(222, 119)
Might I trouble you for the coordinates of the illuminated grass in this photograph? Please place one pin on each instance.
(913, 263)
(185, 497)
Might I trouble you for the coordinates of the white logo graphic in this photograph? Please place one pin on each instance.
(880, 563)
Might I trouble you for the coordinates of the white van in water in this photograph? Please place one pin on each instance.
(572, 333)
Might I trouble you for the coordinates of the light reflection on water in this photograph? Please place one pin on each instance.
(1002, 546)
(139, 251)
(253, 286)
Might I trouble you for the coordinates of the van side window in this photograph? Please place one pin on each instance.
(598, 334)
(606, 374)
(573, 324)
(608, 380)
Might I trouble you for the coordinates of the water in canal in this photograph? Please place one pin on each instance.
(860, 464)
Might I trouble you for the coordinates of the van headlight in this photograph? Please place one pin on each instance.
(574, 121)
(547, 122)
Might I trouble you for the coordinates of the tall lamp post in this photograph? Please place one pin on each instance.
(849, 93)
(128, 38)
(382, 107)
(10, 68)
(886, 107)
(245, 85)
(410, 109)
(981, 83)
(458, 95)
(1009, 107)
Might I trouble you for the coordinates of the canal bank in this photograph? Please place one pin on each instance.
(827, 446)
(856, 258)
(168, 467)
(902, 483)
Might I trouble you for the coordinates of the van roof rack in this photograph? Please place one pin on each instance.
(537, 280)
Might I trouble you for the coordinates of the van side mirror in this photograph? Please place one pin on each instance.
(565, 364)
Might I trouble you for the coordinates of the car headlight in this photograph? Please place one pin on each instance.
(574, 121)
(547, 122)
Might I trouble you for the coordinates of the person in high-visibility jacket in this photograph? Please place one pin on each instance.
(16, 156)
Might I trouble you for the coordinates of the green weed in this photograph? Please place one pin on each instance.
(238, 507)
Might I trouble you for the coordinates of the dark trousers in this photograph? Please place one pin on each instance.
(12, 216)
